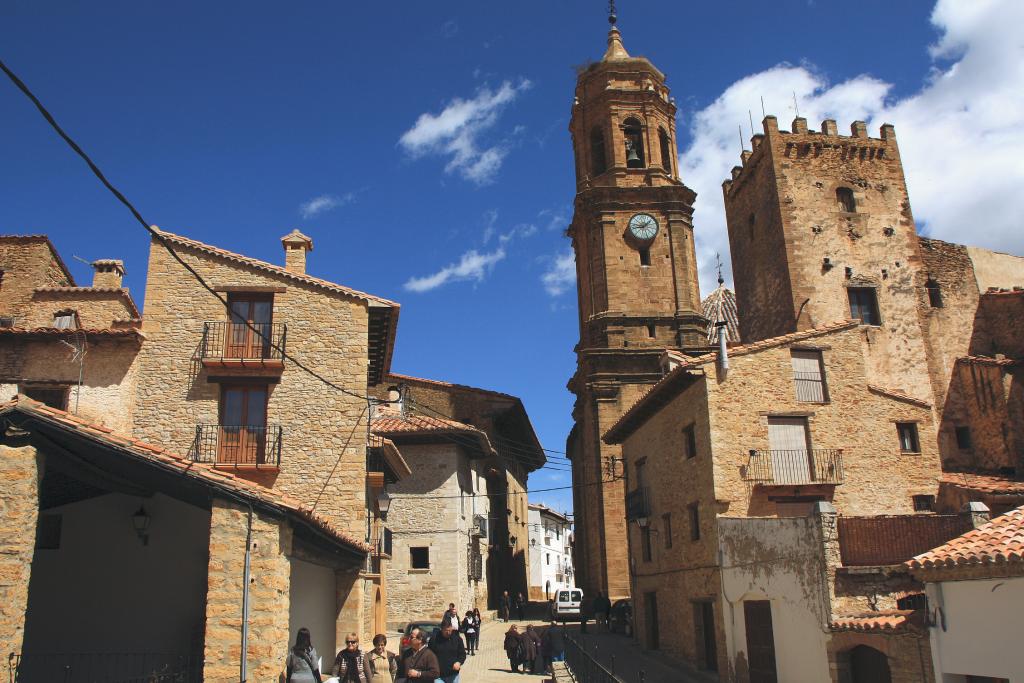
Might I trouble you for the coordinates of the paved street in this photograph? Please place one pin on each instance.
(490, 664)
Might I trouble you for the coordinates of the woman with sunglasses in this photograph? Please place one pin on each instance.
(351, 665)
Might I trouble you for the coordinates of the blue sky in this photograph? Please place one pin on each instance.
(424, 148)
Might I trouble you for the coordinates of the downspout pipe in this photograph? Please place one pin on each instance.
(243, 672)
(723, 351)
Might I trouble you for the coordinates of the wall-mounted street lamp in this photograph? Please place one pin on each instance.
(140, 521)
(383, 504)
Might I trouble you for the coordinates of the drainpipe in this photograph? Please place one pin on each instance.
(243, 666)
(723, 352)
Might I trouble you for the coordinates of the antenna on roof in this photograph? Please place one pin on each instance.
(718, 264)
(751, 116)
(796, 106)
(762, 107)
(79, 258)
(739, 128)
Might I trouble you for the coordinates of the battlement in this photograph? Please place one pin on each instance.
(802, 142)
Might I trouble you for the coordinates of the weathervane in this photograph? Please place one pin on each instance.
(718, 263)
(611, 12)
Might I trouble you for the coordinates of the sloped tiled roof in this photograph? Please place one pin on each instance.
(448, 385)
(718, 306)
(984, 483)
(881, 620)
(1000, 543)
(396, 426)
(65, 332)
(120, 292)
(899, 395)
(161, 457)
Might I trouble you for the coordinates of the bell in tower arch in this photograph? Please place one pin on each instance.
(634, 144)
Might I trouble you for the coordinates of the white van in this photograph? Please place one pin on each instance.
(568, 604)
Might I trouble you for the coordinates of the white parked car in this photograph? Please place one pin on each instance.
(568, 605)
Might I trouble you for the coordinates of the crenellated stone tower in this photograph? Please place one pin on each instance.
(636, 268)
(820, 229)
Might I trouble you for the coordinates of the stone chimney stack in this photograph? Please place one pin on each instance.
(295, 247)
(107, 273)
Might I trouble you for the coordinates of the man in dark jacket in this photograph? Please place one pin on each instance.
(554, 642)
(450, 651)
(419, 661)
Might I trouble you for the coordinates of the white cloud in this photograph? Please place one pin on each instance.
(561, 273)
(960, 135)
(325, 202)
(456, 130)
(472, 266)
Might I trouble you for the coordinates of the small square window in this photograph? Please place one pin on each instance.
(963, 438)
(864, 305)
(924, 503)
(419, 558)
(48, 530)
(909, 442)
(694, 511)
(652, 331)
(65, 320)
(690, 441)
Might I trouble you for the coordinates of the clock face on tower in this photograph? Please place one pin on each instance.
(643, 226)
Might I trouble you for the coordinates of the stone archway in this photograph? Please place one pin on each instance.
(863, 664)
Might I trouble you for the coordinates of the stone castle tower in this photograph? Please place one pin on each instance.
(636, 268)
(820, 229)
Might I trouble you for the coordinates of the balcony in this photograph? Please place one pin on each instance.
(795, 467)
(637, 504)
(382, 545)
(241, 345)
(250, 446)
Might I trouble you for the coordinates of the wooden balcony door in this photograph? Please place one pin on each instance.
(243, 425)
(249, 309)
(788, 439)
(760, 641)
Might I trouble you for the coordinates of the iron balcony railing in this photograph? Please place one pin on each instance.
(637, 504)
(232, 341)
(786, 467)
(382, 545)
(249, 445)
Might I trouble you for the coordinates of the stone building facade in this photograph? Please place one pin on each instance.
(551, 561)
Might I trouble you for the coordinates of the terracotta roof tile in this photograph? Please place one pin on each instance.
(58, 332)
(185, 466)
(720, 305)
(121, 292)
(393, 426)
(271, 268)
(983, 483)
(1001, 541)
(985, 360)
(882, 620)
(449, 385)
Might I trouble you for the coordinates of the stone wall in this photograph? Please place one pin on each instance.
(433, 508)
(108, 376)
(20, 471)
(27, 263)
(323, 459)
(990, 397)
(908, 653)
(96, 308)
(269, 586)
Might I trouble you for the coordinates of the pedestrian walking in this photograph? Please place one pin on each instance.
(451, 653)
(383, 664)
(537, 662)
(529, 651)
(419, 661)
(503, 606)
(554, 642)
(514, 648)
(602, 610)
(303, 663)
(351, 665)
(451, 615)
(469, 629)
(521, 606)
(479, 626)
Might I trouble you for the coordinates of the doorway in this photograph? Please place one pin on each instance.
(704, 630)
(651, 613)
(757, 615)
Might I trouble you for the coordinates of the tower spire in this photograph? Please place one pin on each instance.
(718, 262)
(615, 48)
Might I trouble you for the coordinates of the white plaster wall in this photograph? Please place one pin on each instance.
(996, 269)
(543, 526)
(777, 559)
(103, 591)
(984, 628)
(312, 605)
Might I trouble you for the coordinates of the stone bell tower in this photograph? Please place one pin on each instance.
(636, 270)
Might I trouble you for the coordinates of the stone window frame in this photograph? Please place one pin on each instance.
(60, 315)
(690, 440)
(911, 429)
(412, 559)
(863, 286)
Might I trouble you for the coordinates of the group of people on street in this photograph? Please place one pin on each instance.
(506, 604)
(433, 657)
(534, 651)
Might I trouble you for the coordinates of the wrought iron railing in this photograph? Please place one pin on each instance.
(586, 667)
(894, 539)
(382, 545)
(637, 504)
(784, 467)
(104, 667)
(810, 387)
(252, 445)
(231, 341)
(476, 565)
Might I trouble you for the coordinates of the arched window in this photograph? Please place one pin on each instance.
(645, 256)
(598, 162)
(666, 151)
(934, 293)
(844, 197)
(634, 140)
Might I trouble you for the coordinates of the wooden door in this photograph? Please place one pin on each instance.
(651, 612)
(243, 425)
(760, 641)
(704, 630)
(788, 440)
(249, 327)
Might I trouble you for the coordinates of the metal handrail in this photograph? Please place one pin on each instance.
(234, 341)
(785, 467)
(585, 667)
(251, 445)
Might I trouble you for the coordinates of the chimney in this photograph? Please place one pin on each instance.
(295, 247)
(107, 273)
(723, 350)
